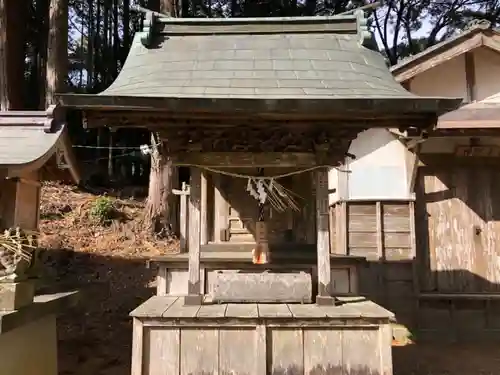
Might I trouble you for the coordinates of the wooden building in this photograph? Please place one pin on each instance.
(258, 109)
(423, 208)
(28, 141)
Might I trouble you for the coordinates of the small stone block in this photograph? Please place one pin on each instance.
(326, 301)
(262, 287)
(193, 300)
(13, 296)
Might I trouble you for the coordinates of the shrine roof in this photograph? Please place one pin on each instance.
(29, 138)
(197, 64)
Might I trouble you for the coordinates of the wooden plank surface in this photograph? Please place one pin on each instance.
(161, 351)
(366, 308)
(199, 352)
(179, 310)
(237, 354)
(274, 310)
(242, 310)
(361, 351)
(287, 351)
(322, 236)
(323, 351)
(174, 307)
(137, 347)
(194, 232)
(153, 307)
(212, 311)
(305, 311)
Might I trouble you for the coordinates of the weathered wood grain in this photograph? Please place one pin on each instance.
(161, 351)
(154, 307)
(262, 287)
(243, 310)
(287, 351)
(358, 354)
(274, 310)
(199, 352)
(238, 351)
(194, 282)
(322, 236)
(212, 311)
(137, 347)
(460, 255)
(179, 310)
(323, 352)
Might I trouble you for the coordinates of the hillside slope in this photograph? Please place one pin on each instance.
(107, 263)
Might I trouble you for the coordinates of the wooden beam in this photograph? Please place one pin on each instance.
(245, 159)
(323, 238)
(255, 26)
(194, 281)
(491, 43)
(183, 214)
(411, 161)
(439, 58)
(470, 77)
(204, 209)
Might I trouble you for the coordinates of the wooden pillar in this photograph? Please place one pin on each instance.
(194, 281)
(220, 208)
(20, 202)
(183, 215)
(204, 209)
(323, 238)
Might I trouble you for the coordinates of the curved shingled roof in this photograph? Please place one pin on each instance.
(29, 138)
(222, 64)
(190, 58)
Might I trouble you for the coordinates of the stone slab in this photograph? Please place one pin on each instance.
(262, 287)
(14, 295)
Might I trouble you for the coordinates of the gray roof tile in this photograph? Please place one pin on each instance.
(204, 60)
(22, 144)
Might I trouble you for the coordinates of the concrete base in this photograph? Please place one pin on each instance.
(14, 295)
(30, 349)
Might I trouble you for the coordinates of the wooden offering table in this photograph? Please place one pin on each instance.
(350, 338)
(173, 268)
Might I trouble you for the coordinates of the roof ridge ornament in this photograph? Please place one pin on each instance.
(150, 19)
(54, 118)
(480, 23)
(364, 32)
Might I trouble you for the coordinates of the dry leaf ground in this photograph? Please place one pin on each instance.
(107, 263)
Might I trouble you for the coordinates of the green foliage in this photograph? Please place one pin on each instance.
(103, 210)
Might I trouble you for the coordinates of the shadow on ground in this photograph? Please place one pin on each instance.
(95, 337)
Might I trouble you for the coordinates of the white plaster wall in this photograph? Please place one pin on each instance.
(487, 69)
(30, 349)
(378, 172)
(447, 79)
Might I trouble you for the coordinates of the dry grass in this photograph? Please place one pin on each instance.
(107, 264)
(67, 223)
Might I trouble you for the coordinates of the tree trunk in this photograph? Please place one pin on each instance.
(161, 213)
(157, 211)
(57, 56)
(12, 35)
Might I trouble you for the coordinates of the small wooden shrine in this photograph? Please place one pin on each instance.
(259, 110)
(28, 140)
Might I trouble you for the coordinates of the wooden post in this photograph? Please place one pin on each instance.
(194, 296)
(183, 214)
(322, 239)
(204, 209)
(220, 208)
